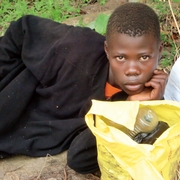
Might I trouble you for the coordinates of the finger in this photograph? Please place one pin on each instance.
(161, 81)
(157, 89)
(154, 84)
(160, 75)
(163, 78)
(157, 71)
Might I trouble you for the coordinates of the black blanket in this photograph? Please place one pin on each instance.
(49, 72)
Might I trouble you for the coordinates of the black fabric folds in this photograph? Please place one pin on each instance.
(49, 72)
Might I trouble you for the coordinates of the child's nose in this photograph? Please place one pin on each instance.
(132, 69)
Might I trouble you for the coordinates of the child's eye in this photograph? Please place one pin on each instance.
(120, 58)
(144, 58)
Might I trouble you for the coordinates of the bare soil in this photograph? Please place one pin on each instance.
(92, 10)
(43, 168)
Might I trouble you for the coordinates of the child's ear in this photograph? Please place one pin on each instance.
(106, 48)
(160, 50)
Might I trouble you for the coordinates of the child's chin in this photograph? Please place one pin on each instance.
(131, 93)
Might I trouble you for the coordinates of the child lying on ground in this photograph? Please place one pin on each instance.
(49, 72)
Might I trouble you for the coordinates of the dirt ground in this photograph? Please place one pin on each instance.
(52, 167)
(91, 11)
(43, 168)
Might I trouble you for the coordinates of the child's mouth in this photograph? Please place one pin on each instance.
(133, 87)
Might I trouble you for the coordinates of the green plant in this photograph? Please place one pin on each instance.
(99, 25)
(168, 31)
(57, 10)
(166, 62)
(102, 2)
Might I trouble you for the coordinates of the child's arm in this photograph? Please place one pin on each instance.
(154, 89)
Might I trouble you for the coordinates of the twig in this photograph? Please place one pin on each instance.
(170, 6)
(65, 174)
(177, 52)
(12, 176)
(43, 167)
(169, 1)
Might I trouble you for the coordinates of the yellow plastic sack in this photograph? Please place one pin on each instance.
(121, 158)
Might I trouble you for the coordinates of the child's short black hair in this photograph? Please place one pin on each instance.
(134, 19)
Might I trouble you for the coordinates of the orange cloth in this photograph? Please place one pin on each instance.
(110, 90)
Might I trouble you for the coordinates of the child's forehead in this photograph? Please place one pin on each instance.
(124, 35)
(126, 42)
(114, 37)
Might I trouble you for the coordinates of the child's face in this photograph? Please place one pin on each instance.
(132, 61)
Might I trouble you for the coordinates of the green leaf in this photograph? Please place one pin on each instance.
(101, 23)
(91, 25)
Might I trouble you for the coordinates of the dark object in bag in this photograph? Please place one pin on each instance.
(150, 138)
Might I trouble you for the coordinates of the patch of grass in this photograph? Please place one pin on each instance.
(57, 10)
(169, 32)
(102, 2)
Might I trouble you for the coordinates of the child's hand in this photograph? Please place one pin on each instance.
(154, 89)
